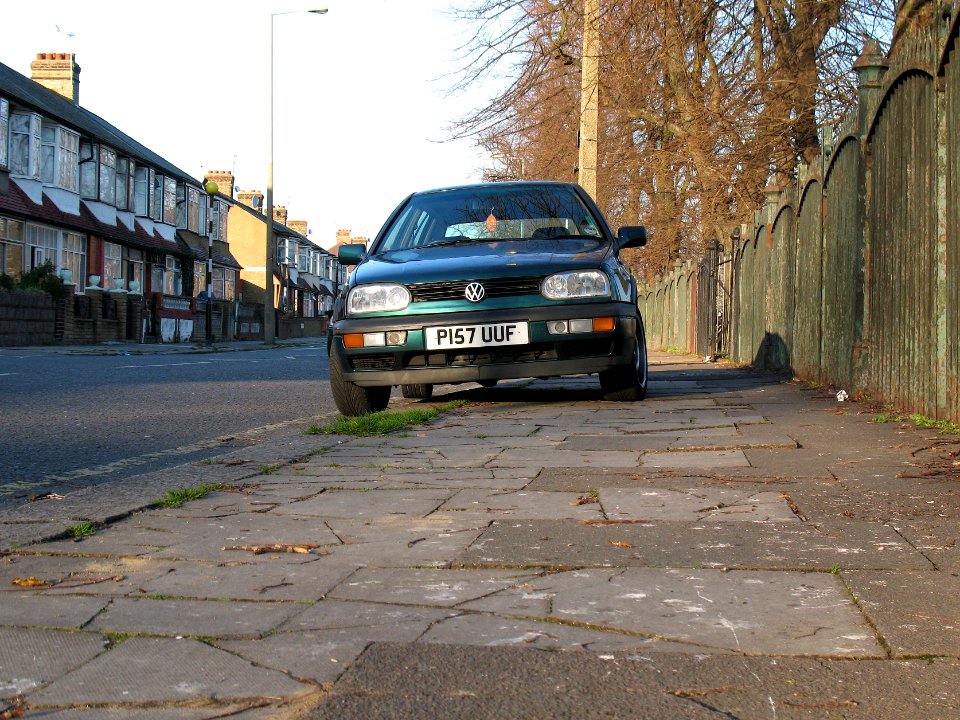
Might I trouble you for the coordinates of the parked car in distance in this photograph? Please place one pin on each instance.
(487, 282)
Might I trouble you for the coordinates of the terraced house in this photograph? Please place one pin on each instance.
(130, 233)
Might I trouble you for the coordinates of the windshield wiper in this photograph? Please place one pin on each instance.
(455, 240)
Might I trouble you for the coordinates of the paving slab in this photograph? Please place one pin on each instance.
(197, 618)
(695, 459)
(428, 587)
(75, 574)
(695, 504)
(141, 670)
(916, 613)
(524, 504)
(276, 580)
(320, 644)
(437, 680)
(528, 457)
(685, 545)
(30, 659)
(367, 504)
(33, 609)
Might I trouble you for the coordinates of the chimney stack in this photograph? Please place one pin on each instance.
(223, 179)
(252, 199)
(58, 72)
(299, 226)
(280, 214)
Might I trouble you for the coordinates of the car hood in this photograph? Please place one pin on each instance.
(480, 260)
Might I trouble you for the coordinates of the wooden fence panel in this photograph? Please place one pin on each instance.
(809, 298)
(778, 333)
(842, 260)
(901, 270)
(951, 73)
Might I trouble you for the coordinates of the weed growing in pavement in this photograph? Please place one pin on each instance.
(269, 469)
(176, 498)
(82, 530)
(836, 570)
(382, 423)
(921, 421)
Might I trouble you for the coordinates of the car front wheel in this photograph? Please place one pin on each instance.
(353, 400)
(628, 382)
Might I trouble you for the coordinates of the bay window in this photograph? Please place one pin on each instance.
(229, 284)
(169, 201)
(156, 198)
(108, 175)
(11, 247)
(173, 275)
(4, 129)
(124, 183)
(135, 267)
(65, 250)
(59, 156)
(89, 158)
(112, 265)
(199, 277)
(193, 209)
(142, 187)
(25, 144)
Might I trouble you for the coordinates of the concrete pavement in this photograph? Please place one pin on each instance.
(732, 547)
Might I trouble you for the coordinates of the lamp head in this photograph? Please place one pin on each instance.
(211, 187)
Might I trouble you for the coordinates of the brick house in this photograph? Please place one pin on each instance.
(127, 230)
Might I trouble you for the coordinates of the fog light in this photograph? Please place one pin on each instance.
(396, 337)
(603, 324)
(581, 326)
(374, 339)
(558, 327)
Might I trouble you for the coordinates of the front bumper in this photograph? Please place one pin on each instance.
(544, 356)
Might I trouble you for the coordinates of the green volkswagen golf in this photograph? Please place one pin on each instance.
(482, 283)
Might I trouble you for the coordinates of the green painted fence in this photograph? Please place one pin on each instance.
(850, 275)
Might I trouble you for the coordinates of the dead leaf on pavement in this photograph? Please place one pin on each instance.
(585, 500)
(30, 582)
(699, 693)
(619, 543)
(301, 548)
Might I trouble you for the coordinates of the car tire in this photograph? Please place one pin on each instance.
(489, 383)
(353, 400)
(628, 383)
(420, 391)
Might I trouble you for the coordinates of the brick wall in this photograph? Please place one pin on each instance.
(26, 318)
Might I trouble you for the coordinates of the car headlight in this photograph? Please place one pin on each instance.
(377, 298)
(578, 284)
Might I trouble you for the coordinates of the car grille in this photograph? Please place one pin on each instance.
(495, 287)
(372, 362)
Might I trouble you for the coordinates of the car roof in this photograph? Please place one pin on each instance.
(490, 185)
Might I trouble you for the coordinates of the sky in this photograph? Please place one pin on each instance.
(361, 109)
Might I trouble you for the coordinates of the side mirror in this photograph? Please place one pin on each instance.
(632, 236)
(351, 254)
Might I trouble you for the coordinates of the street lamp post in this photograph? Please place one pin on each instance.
(211, 187)
(269, 314)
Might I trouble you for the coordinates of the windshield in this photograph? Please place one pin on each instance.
(490, 213)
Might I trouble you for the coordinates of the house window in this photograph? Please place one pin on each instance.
(11, 247)
(169, 201)
(124, 183)
(4, 129)
(193, 209)
(303, 260)
(216, 282)
(59, 156)
(142, 185)
(199, 277)
(25, 144)
(229, 285)
(173, 277)
(108, 175)
(112, 264)
(222, 210)
(135, 267)
(181, 205)
(65, 250)
(89, 158)
(156, 199)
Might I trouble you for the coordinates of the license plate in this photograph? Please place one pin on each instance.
(471, 336)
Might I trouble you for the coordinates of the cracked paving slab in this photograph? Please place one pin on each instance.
(695, 504)
(524, 504)
(783, 613)
(706, 544)
(364, 505)
(427, 681)
(141, 670)
(30, 659)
